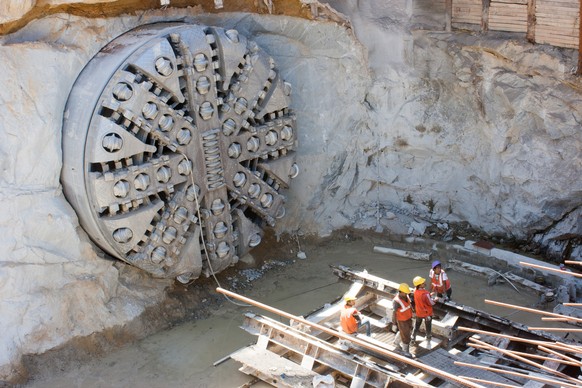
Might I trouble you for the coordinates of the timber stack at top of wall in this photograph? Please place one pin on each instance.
(554, 22)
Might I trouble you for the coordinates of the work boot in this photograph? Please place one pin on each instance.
(406, 350)
(428, 342)
(398, 342)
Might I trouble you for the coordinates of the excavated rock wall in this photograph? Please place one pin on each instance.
(401, 125)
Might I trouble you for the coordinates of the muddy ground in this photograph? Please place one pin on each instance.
(178, 342)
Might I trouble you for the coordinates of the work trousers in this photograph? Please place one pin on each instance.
(405, 329)
(427, 326)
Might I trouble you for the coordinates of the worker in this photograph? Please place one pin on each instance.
(402, 318)
(439, 281)
(423, 301)
(351, 319)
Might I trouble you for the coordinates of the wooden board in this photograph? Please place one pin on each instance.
(524, 2)
(444, 360)
(558, 23)
(508, 17)
(467, 11)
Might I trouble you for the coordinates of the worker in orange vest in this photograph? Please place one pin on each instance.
(439, 281)
(423, 303)
(402, 318)
(351, 319)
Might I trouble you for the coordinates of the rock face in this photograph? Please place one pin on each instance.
(398, 122)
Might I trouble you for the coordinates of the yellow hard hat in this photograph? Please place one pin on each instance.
(348, 298)
(404, 288)
(417, 281)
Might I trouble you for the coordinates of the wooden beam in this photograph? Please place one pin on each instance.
(351, 338)
(531, 21)
(485, 16)
(579, 70)
(449, 15)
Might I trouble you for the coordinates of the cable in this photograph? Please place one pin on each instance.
(202, 234)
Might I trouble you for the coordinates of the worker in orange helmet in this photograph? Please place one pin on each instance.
(439, 281)
(402, 318)
(423, 302)
(351, 319)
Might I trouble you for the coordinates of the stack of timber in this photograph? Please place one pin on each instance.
(508, 15)
(469, 347)
(467, 12)
(558, 22)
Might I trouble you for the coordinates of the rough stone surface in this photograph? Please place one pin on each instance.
(399, 125)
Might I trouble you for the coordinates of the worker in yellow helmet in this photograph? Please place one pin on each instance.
(402, 318)
(351, 319)
(423, 303)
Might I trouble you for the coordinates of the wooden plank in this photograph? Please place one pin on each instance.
(485, 15)
(467, 11)
(444, 360)
(507, 28)
(566, 4)
(579, 70)
(449, 15)
(522, 2)
(530, 35)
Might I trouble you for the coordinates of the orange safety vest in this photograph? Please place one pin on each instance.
(421, 301)
(404, 312)
(439, 283)
(347, 320)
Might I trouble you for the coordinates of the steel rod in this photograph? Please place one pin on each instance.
(572, 304)
(555, 329)
(554, 319)
(350, 338)
(573, 261)
(558, 354)
(535, 311)
(536, 356)
(555, 345)
(550, 269)
(525, 376)
(525, 360)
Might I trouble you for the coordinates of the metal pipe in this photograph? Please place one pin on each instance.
(550, 269)
(523, 359)
(535, 311)
(555, 329)
(351, 338)
(525, 376)
(562, 356)
(557, 345)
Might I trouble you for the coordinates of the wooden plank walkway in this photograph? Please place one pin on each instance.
(444, 360)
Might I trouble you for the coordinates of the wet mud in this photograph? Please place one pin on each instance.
(186, 354)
